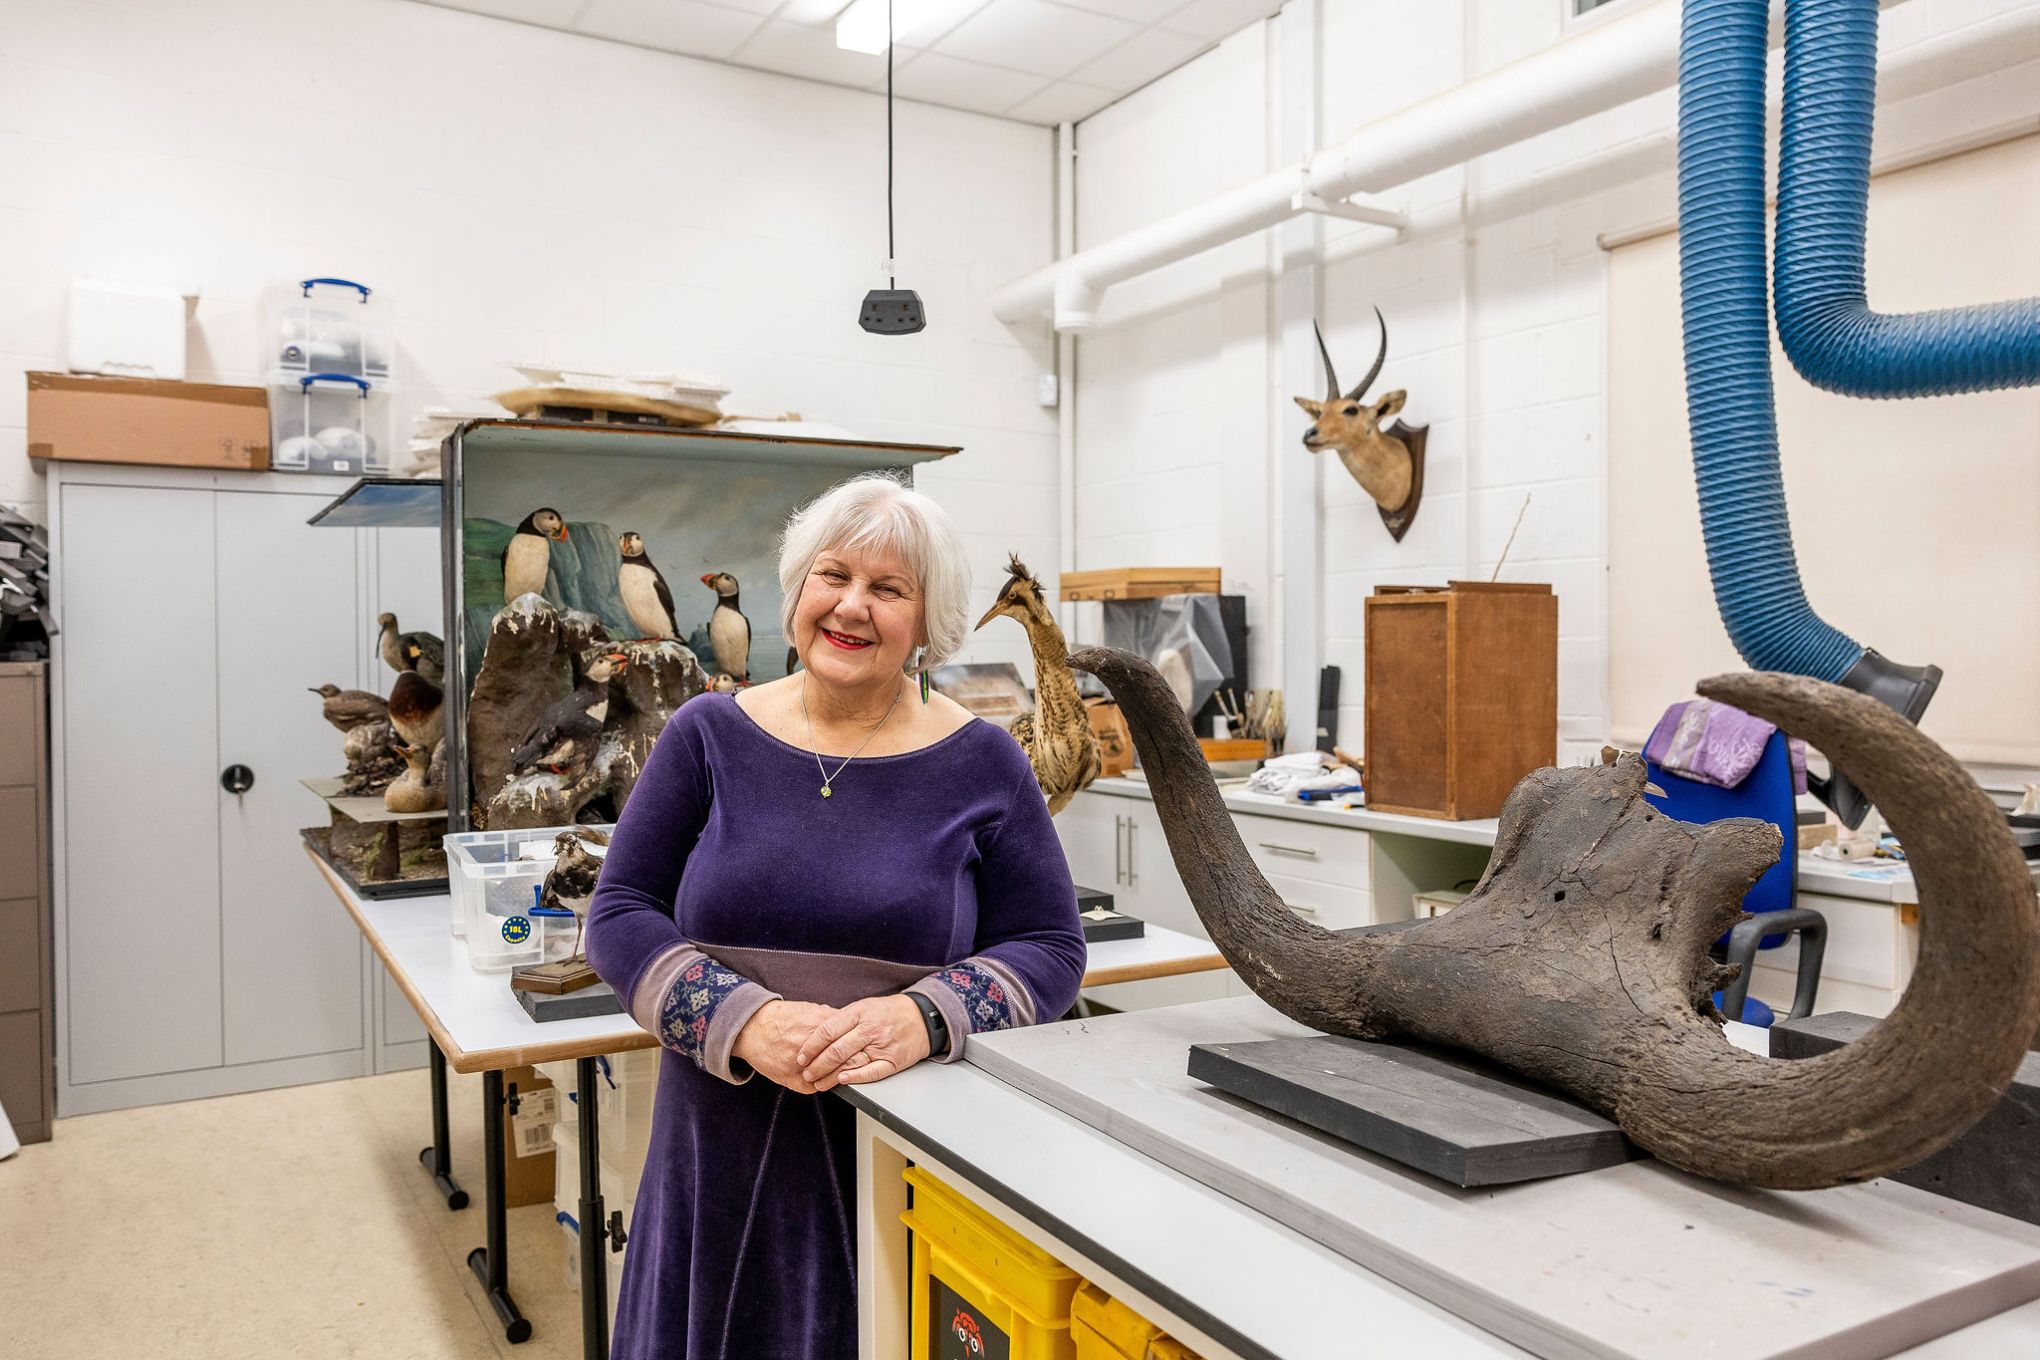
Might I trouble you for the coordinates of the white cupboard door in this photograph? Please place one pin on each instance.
(141, 839)
(1090, 827)
(288, 622)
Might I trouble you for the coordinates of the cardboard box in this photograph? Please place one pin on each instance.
(87, 419)
(527, 1139)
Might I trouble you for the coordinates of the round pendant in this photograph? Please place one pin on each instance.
(825, 790)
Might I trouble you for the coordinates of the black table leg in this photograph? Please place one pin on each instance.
(595, 1233)
(492, 1263)
(438, 1158)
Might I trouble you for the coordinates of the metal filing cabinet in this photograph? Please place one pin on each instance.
(27, 1068)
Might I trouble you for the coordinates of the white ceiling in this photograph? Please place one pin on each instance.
(1040, 61)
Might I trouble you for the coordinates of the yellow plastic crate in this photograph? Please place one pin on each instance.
(1106, 1329)
(977, 1284)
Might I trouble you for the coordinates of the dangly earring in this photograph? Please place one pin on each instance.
(920, 657)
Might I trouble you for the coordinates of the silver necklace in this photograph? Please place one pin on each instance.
(827, 778)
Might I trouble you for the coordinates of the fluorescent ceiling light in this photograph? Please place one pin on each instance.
(861, 27)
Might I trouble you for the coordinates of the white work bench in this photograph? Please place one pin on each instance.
(1221, 1277)
(477, 1025)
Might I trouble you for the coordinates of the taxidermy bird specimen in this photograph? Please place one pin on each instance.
(422, 786)
(566, 734)
(646, 597)
(417, 705)
(1057, 736)
(571, 881)
(729, 632)
(390, 644)
(1581, 960)
(528, 557)
(348, 709)
(1388, 464)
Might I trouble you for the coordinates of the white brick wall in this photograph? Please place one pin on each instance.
(521, 192)
(1496, 306)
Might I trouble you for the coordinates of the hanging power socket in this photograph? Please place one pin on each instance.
(1050, 390)
(892, 311)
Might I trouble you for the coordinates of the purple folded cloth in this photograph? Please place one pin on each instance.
(1717, 744)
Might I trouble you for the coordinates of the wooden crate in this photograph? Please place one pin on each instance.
(1139, 583)
(1462, 695)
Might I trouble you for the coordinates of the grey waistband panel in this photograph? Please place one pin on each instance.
(824, 979)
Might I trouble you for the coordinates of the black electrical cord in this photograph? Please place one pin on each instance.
(892, 280)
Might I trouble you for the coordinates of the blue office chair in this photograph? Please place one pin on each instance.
(1767, 794)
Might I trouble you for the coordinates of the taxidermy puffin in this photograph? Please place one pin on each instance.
(729, 632)
(565, 734)
(645, 595)
(416, 704)
(390, 643)
(571, 881)
(529, 556)
(348, 709)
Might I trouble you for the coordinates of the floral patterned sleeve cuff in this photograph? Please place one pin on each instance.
(703, 1009)
(976, 996)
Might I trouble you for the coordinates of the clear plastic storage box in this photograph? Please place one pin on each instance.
(495, 877)
(329, 422)
(328, 326)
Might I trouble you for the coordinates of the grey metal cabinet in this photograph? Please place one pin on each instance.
(27, 1070)
(197, 951)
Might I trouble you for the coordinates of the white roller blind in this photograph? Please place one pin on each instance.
(1917, 523)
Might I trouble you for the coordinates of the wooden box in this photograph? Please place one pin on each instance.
(1462, 695)
(1138, 583)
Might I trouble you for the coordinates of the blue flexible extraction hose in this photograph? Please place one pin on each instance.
(1824, 316)
(1726, 314)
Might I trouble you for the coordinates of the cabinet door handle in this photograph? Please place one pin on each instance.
(1132, 875)
(1300, 909)
(1301, 851)
(1118, 863)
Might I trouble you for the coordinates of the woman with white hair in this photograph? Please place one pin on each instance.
(818, 881)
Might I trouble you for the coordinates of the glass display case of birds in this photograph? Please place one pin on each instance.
(597, 577)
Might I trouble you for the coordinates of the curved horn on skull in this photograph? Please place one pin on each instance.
(1331, 376)
(1303, 970)
(1939, 1061)
(1380, 358)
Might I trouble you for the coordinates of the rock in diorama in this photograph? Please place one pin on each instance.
(562, 717)
(1581, 960)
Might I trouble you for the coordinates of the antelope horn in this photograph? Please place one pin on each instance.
(1379, 359)
(1331, 378)
(1581, 959)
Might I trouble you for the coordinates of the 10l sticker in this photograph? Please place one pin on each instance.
(516, 929)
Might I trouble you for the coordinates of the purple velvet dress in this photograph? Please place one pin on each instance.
(731, 882)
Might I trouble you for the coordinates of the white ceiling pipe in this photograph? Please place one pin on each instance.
(1600, 68)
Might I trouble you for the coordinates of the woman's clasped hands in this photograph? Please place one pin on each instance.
(808, 1048)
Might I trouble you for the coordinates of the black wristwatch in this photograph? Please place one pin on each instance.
(938, 1028)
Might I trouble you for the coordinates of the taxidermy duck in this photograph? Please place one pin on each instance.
(729, 632)
(391, 642)
(348, 709)
(646, 597)
(1057, 736)
(419, 788)
(416, 704)
(529, 556)
(565, 735)
(571, 881)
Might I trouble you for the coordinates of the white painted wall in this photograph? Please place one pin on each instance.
(522, 192)
(1495, 299)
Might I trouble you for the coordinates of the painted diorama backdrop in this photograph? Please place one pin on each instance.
(695, 517)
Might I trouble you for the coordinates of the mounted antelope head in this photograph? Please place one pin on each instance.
(1388, 464)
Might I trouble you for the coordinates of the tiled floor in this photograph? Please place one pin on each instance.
(285, 1225)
